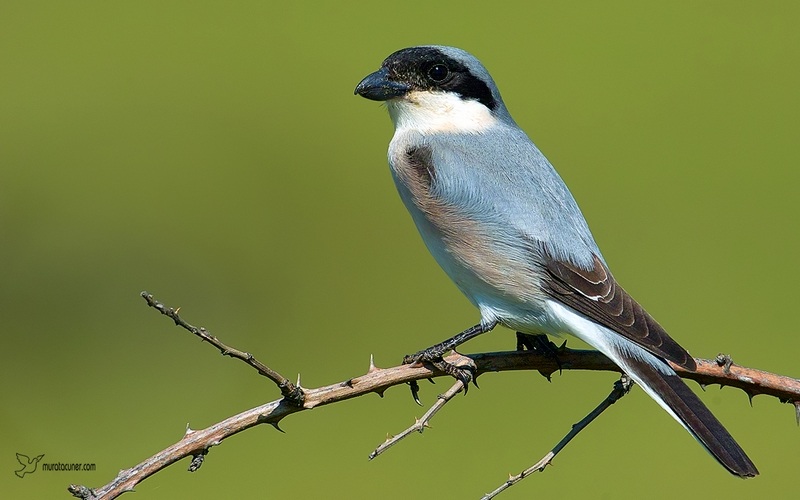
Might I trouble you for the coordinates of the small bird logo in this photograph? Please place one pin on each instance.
(28, 464)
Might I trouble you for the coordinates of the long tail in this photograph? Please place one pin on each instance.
(661, 382)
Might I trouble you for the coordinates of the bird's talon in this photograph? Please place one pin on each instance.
(414, 386)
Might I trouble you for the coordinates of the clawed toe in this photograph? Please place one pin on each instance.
(464, 371)
(542, 344)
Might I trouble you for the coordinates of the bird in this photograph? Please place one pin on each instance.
(28, 464)
(502, 224)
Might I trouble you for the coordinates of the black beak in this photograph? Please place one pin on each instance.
(378, 87)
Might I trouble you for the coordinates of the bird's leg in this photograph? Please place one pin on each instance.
(434, 354)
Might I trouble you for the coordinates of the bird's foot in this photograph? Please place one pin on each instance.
(543, 345)
(463, 369)
(434, 355)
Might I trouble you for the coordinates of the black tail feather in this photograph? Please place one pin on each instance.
(691, 411)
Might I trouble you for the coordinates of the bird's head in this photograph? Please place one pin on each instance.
(436, 88)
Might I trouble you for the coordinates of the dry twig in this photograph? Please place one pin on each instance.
(420, 423)
(621, 388)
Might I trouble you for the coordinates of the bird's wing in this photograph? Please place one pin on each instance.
(23, 459)
(596, 294)
(524, 200)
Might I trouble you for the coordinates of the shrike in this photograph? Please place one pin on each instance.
(503, 225)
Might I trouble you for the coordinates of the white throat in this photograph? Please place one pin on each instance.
(426, 111)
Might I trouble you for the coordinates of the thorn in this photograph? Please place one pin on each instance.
(188, 431)
(703, 386)
(797, 411)
(750, 397)
(348, 383)
(546, 375)
(372, 367)
(380, 392)
(426, 425)
(277, 427)
(389, 437)
(177, 310)
(298, 381)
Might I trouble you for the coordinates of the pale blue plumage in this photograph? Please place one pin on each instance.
(500, 179)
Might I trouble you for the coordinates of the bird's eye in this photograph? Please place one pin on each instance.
(438, 72)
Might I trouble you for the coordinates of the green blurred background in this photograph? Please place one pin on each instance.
(214, 154)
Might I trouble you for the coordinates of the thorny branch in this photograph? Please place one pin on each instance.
(196, 443)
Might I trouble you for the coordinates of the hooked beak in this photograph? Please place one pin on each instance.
(378, 87)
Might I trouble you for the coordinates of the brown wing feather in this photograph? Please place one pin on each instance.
(596, 294)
